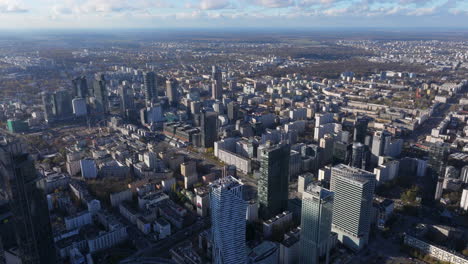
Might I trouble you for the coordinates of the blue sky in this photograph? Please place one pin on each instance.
(15, 14)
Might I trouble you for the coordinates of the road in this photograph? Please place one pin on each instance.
(432, 122)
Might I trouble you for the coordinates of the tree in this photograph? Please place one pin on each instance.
(409, 196)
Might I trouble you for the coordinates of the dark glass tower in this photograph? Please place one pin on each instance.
(217, 85)
(209, 131)
(80, 87)
(28, 205)
(273, 179)
(127, 102)
(171, 91)
(63, 105)
(151, 91)
(360, 129)
(100, 95)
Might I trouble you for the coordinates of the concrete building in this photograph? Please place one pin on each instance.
(303, 181)
(354, 190)
(162, 227)
(202, 201)
(78, 220)
(266, 252)
(88, 169)
(464, 200)
(290, 250)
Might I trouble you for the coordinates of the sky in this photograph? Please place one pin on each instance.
(115, 14)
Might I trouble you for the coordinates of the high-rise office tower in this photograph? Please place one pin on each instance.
(62, 104)
(127, 102)
(100, 95)
(232, 111)
(80, 87)
(171, 91)
(379, 141)
(360, 129)
(359, 155)
(316, 222)
(352, 209)
(151, 87)
(438, 154)
(273, 179)
(217, 85)
(209, 130)
(228, 223)
(48, 105)
(464, 174)
(28, 205)
(326, 144)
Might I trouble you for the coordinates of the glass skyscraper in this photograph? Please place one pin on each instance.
(273, 179)
(228, 222)
(28, 205)
(316, 221)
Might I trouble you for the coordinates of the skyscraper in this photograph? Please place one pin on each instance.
(57, 105)
(359, 155)
(100, 95)
(360, 129)
(28, 205)
(151, 87)
(80, 87)
(438, 153)
(379, 141)
(273, 179)
(354, 190)
(127, 102)
(62, 105)
(316, 222)
(217, 85)
(171, 91)
(228, 223)
(232, 111)
(209, 131)
(48, 105)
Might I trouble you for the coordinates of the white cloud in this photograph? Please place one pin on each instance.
(423, 11)
(12, 6)
(213, 4)
(275, 3)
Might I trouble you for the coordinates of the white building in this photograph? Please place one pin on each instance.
(88, 169)
(162, 227)
(464, 200)
(354, 191)
(78, 220)
(105, 240)
(150, 159)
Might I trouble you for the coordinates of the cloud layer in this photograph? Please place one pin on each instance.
(235, 12)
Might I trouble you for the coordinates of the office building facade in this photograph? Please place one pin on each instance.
(316, 222)
(352, 209)
(228, 223)
(273, 179)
